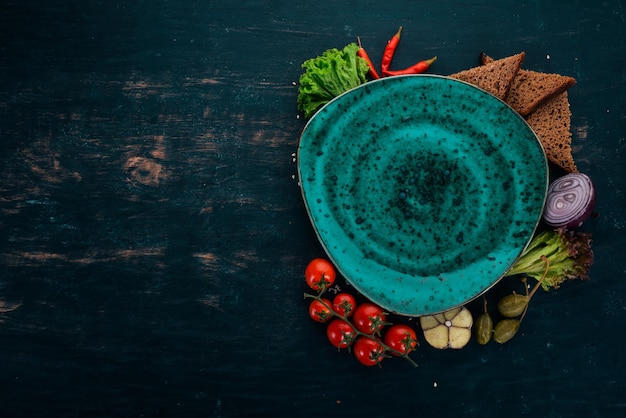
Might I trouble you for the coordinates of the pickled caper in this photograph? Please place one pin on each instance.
(505, 330)
(483, 328)
(513, 305)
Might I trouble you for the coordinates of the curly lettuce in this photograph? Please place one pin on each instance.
(329, 75)
(569, 254)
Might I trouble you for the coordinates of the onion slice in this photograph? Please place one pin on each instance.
(570, 201)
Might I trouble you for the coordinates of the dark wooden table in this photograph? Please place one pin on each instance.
(153, 236)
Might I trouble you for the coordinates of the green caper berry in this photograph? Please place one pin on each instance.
(513, 305)
(483, 328)
(505, 330)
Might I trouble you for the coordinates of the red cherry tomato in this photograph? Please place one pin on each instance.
(340, 333)
(344, 304)
(319, 311)
(401, 338)
(368, 351)
(320, 274)
(369, 318)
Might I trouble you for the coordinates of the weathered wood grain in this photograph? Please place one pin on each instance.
(153, 238)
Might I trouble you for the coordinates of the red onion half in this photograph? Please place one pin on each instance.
(570, 201)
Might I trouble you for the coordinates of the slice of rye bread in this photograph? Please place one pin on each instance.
(531, 89)
(551, 122)
(495, 77)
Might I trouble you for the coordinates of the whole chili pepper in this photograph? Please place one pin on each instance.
(390, 49)
(418, 68)
(361, 53)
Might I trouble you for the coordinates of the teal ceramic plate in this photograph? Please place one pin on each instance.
(423, 190)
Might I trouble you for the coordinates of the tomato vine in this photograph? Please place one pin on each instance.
(368, 353)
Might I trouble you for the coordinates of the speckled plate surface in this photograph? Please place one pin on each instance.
(423, 190)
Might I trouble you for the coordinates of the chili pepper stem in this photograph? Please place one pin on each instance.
(399, 32)
(430, 61)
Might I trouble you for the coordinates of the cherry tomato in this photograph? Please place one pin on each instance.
(340, 333)
(401, 338)
(368, 351)
(320, 274)
(344, 304)
(319, 311)
(369, 318)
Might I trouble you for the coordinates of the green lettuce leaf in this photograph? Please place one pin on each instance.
(569, 254)
(329, 75)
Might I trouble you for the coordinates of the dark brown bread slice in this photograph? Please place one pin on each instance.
(530, 89)
(552, 125)
(495, 77)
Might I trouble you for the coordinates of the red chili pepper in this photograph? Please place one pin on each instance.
(390, 49)
(361, 53)
(418, 68)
